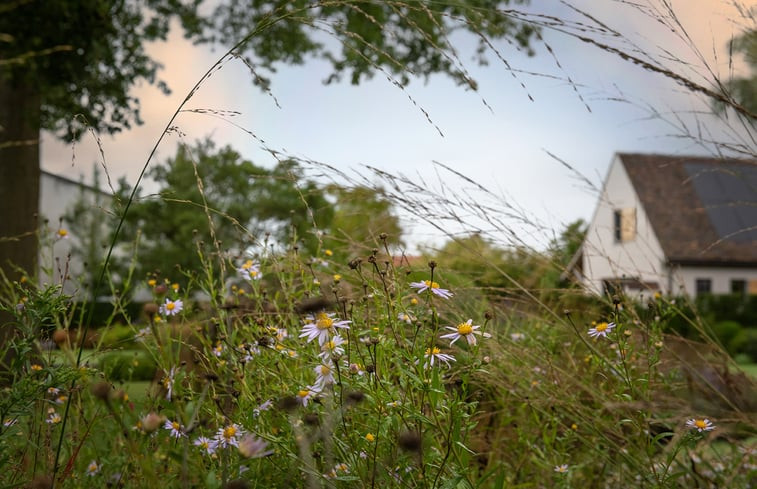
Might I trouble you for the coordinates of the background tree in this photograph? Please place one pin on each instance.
(210, 195)
(67, 63)
(361, 215)
(744, 89)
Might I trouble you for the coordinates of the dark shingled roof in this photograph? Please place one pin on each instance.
(703, 210)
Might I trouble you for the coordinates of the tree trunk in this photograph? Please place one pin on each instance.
(19, 179)
(19, 200)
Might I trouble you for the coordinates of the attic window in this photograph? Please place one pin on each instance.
(624, 224)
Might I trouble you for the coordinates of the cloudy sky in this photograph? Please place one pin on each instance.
(585, 109)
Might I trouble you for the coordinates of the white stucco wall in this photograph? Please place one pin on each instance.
(604, 258)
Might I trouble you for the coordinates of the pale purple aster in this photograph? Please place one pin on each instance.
(263, 407)
(433, 287)
(324, 376)
(206, 444)
(176, 428)
(250, 270)
(253, 447)
(322, 326)
(305, 395)
(601, 329)
(227, 436)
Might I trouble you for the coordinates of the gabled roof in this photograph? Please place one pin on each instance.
(703, 210)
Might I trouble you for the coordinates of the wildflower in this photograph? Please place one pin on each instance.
(332, 348)
(324, 376)
(175, 287)
(54, 418)
(93, 468)
(152, 282)
(356, 368)
(393, 404)
(206, 444)
(370, 437)
(561, 469)
(53, 391)
(328, 252)
(61, 234)
(250, 270)
(36, 367)
(171, 308)
(433, 287)
(176, 429)
(601, 329)
(218, 350)
(61, 399)
(253, 447)
(305, 395)
(337, 278)
(168, 383)
(263, 407)
(405, 317)
(227, 436)
(464, 330)
(435, 353)
(517, 336)
(142, 334)
(9, 422)
(333, 473)
(322, 326)
(700, 424)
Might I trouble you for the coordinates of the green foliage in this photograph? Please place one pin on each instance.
(744, 89)
(744, 342)
(128, 365)
(361, 216)
(212, 201)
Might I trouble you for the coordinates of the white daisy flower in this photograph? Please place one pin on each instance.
(561, 469)
(171, 308)
(435, 354)
(93, 468)
(332, 348)
(322, 326)
(433, 287)
(464, 330)
(305, 395)
(324, 376)
(601, 329)
(700, 424)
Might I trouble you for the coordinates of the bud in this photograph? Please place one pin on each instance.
(152, 421)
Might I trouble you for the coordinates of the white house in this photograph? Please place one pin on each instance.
(58, 197)
(673, 224)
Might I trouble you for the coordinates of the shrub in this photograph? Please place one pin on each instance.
(128, 365)
(745, 342)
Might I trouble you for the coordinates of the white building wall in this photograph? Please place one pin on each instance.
(57, 197)
(685, 279)
(603, 257)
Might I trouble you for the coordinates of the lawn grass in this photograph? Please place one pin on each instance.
(749, 368)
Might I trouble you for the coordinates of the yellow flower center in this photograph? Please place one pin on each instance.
(303, 393)
(175, 425)
(152, 282)
(601, 327)
(175, 287)
(329, 345)
(170, 306)
(325, 370)
(464, 329)
(431, 284)
(324, 322)
(328, 252)
(62, 233)
(229, 432)
(247, 265)
(370, 437)
(435, 351)
(700, 424)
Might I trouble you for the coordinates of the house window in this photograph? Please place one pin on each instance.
(704, 286)
(738, 286)
(624, 224)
